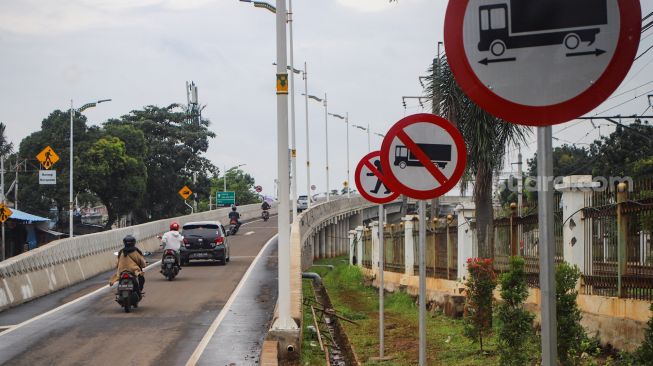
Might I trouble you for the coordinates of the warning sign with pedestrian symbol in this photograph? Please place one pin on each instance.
(370, 180)
(185, 192)
(5, 213)
(423, 156)
(47, 157)
(541, 62)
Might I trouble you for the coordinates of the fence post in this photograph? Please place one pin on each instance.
(574, 190)
(622, 227)
(409, 246)
(514, 238)
(465, 238)
(375, 245)
(449, 249)
(352, 248)
(359, 245)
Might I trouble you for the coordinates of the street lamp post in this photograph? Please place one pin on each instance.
(346, 119)
(224, 179)
(367, 129)
(70, 188)
(326, 137)
(308, 159)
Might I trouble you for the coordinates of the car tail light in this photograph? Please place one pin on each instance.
(219, 240)
(186, 243)
(169, 251)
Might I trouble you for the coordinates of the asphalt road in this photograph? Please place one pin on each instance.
(166, 328)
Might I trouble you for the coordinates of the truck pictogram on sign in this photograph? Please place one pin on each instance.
(437, 153)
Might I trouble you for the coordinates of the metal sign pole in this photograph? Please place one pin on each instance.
(381, 283)
(422, 283)
(546, 245)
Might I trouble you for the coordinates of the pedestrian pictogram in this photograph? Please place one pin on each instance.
(185, 192)
(423, 156)
(541, 62)
(282, 83)
(370, 180)
(47, 157)
(5, 213)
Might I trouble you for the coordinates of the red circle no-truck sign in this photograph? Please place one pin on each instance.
(541, 63)
(370, 180)
(423, 156)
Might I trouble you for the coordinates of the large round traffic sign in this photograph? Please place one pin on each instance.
(423, 156)
(371, 181)
(541, 62)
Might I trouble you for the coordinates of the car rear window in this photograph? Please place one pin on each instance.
(202, 230)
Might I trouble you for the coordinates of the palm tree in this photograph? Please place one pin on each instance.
(5, 146)
(487, 138)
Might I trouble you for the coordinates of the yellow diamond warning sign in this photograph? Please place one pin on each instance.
(47, 157)
(5, 212)
(185, 192)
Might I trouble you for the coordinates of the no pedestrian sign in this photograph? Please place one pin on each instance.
(541, 62)
(370, 181)
(423, 156)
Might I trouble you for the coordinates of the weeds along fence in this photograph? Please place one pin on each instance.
(618, 253)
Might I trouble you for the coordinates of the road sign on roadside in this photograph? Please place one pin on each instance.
(5, 213)
(47, 157)
(541, 62)
(185, 192)
(227, 198)
(258, 189)
(370, 180)
(423, 156)
(313, 187)
(47, 177)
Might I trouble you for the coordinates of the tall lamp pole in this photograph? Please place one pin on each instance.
(346, 119)
(326, 136)
(70, 188)
(308, 159)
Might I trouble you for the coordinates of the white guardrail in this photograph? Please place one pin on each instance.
(64, 262)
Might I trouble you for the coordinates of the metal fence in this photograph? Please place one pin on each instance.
(393, 255)
(441, 250)
(617, 222)
(367, 248)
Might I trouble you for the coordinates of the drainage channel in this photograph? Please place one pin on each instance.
(330, 330)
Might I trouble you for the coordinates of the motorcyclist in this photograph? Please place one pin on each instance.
(130, 259)
(173, 240)
(265, 206)
(234, 215)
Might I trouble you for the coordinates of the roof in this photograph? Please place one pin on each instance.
(26, 217)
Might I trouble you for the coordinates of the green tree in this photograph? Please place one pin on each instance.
(567, 160)
(480, 283)
(515, 322)
(116, 178)
(174, 158)
(625, 152)
(239, 182)
(5, 146)
(570, 332)
(487, 139)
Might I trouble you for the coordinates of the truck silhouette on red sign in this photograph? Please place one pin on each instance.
(439, 154)
(526, 23)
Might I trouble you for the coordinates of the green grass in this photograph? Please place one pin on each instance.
(310, 350)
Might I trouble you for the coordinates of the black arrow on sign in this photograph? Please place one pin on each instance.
(597, 52)
(487, 61)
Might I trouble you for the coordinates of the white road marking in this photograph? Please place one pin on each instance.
(216, 323)
(249, 233)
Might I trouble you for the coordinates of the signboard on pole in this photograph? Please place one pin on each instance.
(185, 192)
(258, 189)
(47, 177)
(47, 157)
(541, 62)
(423, 156)
(371, 182)
(227, 198)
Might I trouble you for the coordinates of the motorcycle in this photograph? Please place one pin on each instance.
(169, 266)
(233, 228)
(128, 294)
(265, 215)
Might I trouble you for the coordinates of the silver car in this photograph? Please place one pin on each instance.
(302, 203)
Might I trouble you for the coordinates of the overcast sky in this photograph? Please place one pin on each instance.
(366, 54)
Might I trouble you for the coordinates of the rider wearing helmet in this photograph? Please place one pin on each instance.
(173, 240)
(130, 259)
(234, 215)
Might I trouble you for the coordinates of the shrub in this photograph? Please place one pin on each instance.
(645, 351)
(570, 333)
(515, 322)
(480, 283)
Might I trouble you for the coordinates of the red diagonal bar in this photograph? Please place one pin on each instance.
(376, 173)
(425, 160)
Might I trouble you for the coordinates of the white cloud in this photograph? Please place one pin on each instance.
(367, 5)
